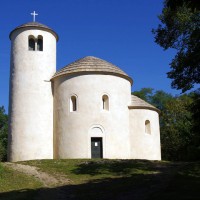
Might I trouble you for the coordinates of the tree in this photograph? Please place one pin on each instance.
(180, 30)
(194, 149)
(160, 99)
(157, 98)
(176, 134)
(144, 93)
(3, 134)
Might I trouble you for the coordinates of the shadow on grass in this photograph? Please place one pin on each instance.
(134, 187)
(137, 187)
(185, 184)
(170, 183)
(115, 167)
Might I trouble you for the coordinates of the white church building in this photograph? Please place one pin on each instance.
(84, 110)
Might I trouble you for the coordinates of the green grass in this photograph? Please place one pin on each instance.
(82, 170)
(106, 179)
(11, 180)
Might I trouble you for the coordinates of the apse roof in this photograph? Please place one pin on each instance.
(91, 65)
(35, 25)
(137, 103)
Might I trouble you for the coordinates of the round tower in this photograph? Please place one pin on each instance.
(91, 98)
(33, 63)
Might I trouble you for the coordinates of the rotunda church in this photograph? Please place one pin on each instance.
(84, 110)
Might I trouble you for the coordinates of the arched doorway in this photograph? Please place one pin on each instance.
(97, 138)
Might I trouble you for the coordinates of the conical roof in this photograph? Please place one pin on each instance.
(91, 65)
(35, 25)
(137, 103)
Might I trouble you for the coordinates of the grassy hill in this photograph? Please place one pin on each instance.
(99, 179)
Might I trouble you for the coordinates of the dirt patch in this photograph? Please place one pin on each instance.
(47, 179)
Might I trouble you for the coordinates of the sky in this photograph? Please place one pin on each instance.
(118, 31)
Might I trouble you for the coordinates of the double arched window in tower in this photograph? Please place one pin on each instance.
(35, 44)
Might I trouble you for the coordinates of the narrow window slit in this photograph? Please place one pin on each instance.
(105, 102)
(147, 127)
(73, 104)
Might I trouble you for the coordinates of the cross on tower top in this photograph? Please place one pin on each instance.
(34, 14)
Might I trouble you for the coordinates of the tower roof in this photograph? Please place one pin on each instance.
(137, 103)
(91, 65)
(35, 25)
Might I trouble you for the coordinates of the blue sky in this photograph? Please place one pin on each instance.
(118, 31)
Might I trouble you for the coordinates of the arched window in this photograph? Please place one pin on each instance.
(40, 43)
(105, 102)
(31, 44)
(73, 104)
(147, 127)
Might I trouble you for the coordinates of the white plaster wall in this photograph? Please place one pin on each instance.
(31, 99)
(144, 145)
(72, 130)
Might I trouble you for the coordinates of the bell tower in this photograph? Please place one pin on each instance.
(32, 64)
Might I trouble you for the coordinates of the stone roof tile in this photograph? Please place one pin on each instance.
(92, 65)
(137, 103)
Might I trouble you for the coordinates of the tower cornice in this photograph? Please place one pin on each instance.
(35, 25)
